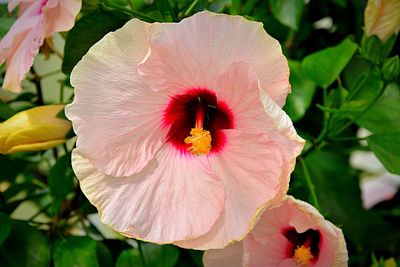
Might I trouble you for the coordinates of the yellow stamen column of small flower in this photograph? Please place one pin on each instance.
(303, 256)
(199, 138)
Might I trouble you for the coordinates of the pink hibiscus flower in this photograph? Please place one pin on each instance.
(181, 135)
(36, 20)
(290, 234)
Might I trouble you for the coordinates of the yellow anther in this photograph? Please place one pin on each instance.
(200, 141)
(302, 256)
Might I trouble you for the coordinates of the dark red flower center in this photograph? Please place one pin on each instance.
(303, 246)
(198, 107)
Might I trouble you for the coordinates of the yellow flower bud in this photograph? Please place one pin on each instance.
(382, 18)
(33, 129)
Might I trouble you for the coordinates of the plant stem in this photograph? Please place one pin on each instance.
(37, 81)
(190, 8)
(310, 184)
(106, 5)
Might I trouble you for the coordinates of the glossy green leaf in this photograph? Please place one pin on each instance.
(86, 32)
(324, 66)
(356, 73)
(362, 96)
(288, 12)
(61, 178)
(384, 116)
(25, 246)
(76, 251)
(387, 149)
(5, 226)
(154, 255)
(303, 90)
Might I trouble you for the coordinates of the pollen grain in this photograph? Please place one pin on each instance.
(302, 256)
(200, 141)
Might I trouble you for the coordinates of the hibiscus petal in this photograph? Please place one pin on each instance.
(195, 51)
(301, 216)
(253, 109)
(175, 197)
(60, 15)
(20, 45)
(255, 173)
(122, 133)
(269, 254)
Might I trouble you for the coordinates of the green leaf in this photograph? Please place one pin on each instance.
(5, 25)
(356, 73)
(90, 5)
(154, 255)
(86, 32)
(160, 256)
(288, 12)
(303, 90)
(5, 111)
(76, 251)
(10, 167)
(5, 227)
(129, 258)
(324, 66)
(391, 69)
(104, 255)
(337, 188)
(384, 116)
(363, 95)
(25, 246)
(197, 256)
(61, 178)
(374, 50)
(386, 148)
(28, 96)
(331, 174)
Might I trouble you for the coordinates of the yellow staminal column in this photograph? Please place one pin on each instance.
(199, 139)
(303, 256)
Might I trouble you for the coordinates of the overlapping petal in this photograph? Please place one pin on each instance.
(37, 20)
(20, 45)
(256, 161)
(119, 134)
(175, 197)
(198, 49)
